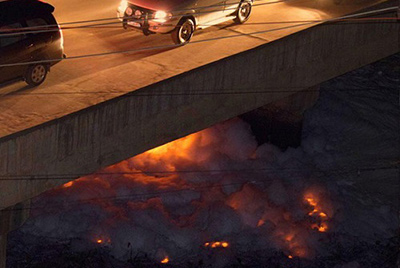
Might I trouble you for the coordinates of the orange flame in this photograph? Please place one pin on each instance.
(323, 227)
(102, 240)
(311, 201)
(217, 244)
(162, 162)
(260, 222)
(165, 260)
(289, 237)
(183, 149)
(68, 184)
(317, 211)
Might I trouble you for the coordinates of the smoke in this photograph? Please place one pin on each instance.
(214, 185)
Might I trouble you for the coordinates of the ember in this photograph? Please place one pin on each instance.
(165, 260)
(68, 184)
(319, 210)
(217, 244)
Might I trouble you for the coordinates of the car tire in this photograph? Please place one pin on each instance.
(183, 32)
(36, 74)
(243, 12)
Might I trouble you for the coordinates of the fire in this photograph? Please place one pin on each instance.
(311, 201)
(322, 215)
(260, 222)
(68, 184)
(161, 162)
(102, 240)
(251, 201)
(313, 212)
(156, 169)
(217, 244)
(178, 148)
(319, 213)
(289, 237)
(171, 154)
(322, 227)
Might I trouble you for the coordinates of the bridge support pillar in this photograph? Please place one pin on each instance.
(280, 122)
(10, 219)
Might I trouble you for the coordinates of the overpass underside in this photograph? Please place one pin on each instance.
(38, 159)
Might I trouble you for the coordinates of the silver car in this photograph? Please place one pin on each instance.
(180, 18)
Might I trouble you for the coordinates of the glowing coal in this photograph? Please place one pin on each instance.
(165, 260)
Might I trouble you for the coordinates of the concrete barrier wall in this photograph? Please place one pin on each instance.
(85, 141)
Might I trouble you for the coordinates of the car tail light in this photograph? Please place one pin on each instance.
(61, 37)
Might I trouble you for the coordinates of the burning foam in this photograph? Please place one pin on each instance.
(208, 189)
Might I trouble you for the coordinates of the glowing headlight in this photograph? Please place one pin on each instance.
(123, 5)
(162, 16)
(129, 11)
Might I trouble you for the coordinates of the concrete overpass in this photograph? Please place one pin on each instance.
(157, 98)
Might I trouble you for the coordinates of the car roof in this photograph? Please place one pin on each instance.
(13, 10)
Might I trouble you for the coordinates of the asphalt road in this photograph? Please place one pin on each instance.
(75, 84)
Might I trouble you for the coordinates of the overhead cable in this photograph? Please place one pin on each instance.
(35, 177)
(160, 193)
(50, 28)
(193, 42)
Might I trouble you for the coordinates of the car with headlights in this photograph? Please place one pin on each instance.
(181, 18)
(28, 33)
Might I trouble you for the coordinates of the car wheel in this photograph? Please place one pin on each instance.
(183, 32)
(243, 12)
(36, 74)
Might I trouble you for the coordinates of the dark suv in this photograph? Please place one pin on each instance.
(28, 33)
